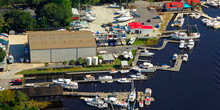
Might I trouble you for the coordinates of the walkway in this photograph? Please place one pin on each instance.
(176, 67)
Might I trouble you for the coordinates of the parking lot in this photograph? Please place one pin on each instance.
(146, 14)
(17, 45)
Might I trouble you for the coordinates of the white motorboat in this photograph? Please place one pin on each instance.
(104, 105)
(132, 95)
(122, 10)
(148, 92)
(113, 71)
(10, 59)
(127, 54)
(124, 80)
(192, 15)
(71, 85)
(105, 77)
(197, 16)
(205, 20)
(89, 77)
(147, 101)
(185, 57)
(2, 88)
(179, 22)
(175, 56)
(95, 100)
(131, 41)
(190, 44)
(212, 23)
(141, 104)
(61, 81)
(182, 44)
(89, 18)
(146, 53)
(125, 18)
(182, 35)
(114, 5)
(137, 75)
(114, 101)
(124, 71)
(147, 67)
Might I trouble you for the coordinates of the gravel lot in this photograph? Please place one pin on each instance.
(104, 15)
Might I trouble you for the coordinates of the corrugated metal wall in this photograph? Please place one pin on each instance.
(60, 55)
(40, 55)
(87, 52)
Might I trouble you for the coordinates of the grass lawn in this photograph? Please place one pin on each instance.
(140, 42)
(166, 18)
(116, 65)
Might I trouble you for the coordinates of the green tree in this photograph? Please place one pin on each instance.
(46, 64)
(2, 22)
(64, 63)
(21, 97)
(7, 96)
(2, 54)
(19, 20)
(58, 13)
(72, 62)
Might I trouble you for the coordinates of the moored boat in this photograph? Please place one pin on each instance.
(132, 95)
(191, 44)
(71, 85)
(61, 81)
(174, 56)
(124, 80)
(182, 44)
(185, 57)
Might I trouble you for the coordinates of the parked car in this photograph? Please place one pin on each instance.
(149, 20)
(156, 17)
(2, 88)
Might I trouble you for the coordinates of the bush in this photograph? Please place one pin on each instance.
(2, 54)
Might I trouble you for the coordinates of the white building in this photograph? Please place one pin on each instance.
(138, 28)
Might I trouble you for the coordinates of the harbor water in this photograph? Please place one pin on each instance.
(195, 87)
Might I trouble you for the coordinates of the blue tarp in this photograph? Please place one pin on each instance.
(97, 32)
(157, 26)
(186, 5)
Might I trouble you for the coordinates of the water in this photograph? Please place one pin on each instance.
(195, 87)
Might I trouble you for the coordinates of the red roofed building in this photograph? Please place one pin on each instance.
(138, 28)
(193, 1)
(174, 6)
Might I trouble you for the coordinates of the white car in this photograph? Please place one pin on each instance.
(2, 88)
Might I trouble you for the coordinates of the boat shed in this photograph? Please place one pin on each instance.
(59, 46)
(138, 28)
(173, 6)
(108, 58)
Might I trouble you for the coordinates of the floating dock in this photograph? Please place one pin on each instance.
(176, 67)
(163, 45)
(93, 94)
(175, 19)
(108, 80)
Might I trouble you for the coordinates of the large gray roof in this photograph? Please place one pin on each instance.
(60, 39)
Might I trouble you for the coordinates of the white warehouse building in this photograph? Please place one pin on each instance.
(59, 46)
(138, 28)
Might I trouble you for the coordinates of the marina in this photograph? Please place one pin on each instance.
(116, 63)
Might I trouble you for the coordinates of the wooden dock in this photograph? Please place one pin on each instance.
(217, 26)
(175, 19)
(141, 96)
(173, 31)
(100, 94)
(163, 45)
(109, 80)
(176, 67)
